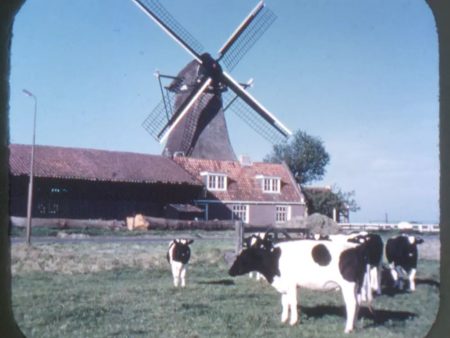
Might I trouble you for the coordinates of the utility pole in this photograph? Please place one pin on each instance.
(30, 185)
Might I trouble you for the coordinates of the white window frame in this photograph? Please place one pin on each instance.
(240, 211)
(282, 213)
(215, 181)
(270, 184)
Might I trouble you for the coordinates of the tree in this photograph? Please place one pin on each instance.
(332, 202)
(305, 156)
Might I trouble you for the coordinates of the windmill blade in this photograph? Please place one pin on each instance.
(241, 109)
(162, 112)
(228, 100)
(246, 35)
(256, 107)
(167, 22)
(157, 119)
(183, 109)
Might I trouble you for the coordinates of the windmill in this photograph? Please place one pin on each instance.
(190, 118)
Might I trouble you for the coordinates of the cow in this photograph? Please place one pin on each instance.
(374, 246)
(401, 254)
(178, 256)
(313, 264)
(261, 240)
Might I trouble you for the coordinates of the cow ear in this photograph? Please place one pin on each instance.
(419, 240)
(190, 241)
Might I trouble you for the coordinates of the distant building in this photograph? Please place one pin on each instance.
(88, 183)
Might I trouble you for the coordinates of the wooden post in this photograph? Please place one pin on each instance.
(239, 229)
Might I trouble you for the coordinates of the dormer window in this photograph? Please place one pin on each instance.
(270, 184)
(215, 181)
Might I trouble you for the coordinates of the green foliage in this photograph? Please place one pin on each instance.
(324, 201)
(305, 156)
(134, 300)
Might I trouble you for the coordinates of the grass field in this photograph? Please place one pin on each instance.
(125, 290)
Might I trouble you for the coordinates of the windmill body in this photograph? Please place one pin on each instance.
(203, 132)
(190, 119)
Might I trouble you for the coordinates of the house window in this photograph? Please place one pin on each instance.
(215, 181)
(282, 213)
(271, 184)
(240, 211)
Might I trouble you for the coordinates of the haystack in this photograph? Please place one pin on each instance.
(321, 225)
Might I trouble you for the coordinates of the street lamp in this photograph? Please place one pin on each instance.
(30, 185)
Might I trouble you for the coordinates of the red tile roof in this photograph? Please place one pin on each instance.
(97, 165)
(242, 182)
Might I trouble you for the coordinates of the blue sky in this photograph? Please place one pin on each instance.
(360, 75)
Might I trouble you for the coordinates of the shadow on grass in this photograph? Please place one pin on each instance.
(390, 290)
(218, 282)
(379, 317)
(427, 281)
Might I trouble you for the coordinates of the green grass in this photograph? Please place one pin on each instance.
(130, 294)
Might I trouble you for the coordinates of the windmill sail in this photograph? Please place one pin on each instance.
(246, 35)
(195, 123)
(256, 106)
(170, 25)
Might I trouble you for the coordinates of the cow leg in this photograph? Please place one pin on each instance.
(373, 279)
(394, 275)
(401, 275)
(292, 299)
(175, 274)
(412, 277)
(377, 279)
(183, 276)
(351, 305)
(284, 307)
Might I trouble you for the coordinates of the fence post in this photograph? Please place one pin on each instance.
(239, 229)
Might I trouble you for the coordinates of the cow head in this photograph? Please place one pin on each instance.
(179, 250)
(262, 259)
(183, 241)
(258, 241)
(413, 239)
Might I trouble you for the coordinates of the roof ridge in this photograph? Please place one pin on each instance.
(82, 149)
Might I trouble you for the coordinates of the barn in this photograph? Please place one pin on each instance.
(98, 184)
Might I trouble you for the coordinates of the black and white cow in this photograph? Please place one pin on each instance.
(402, 254)
(318, 265)
(258, 240)
(178, 256)
(374, 246)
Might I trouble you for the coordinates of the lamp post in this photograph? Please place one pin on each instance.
(30, 185)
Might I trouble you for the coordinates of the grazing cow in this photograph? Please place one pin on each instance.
(178, 256)
(374, 246)
(318, 265)
(260, 240)
(401, 253)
